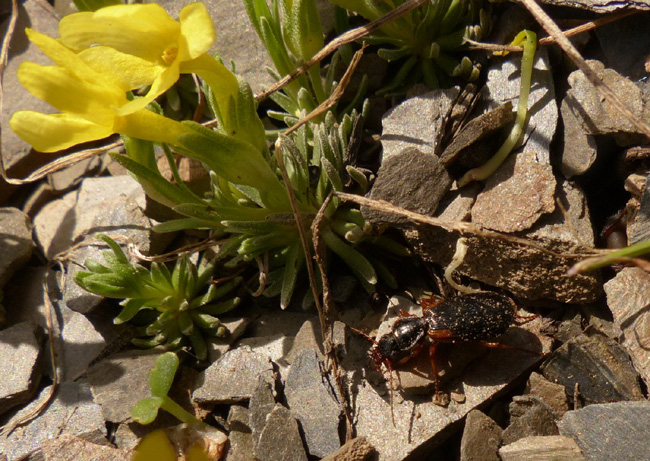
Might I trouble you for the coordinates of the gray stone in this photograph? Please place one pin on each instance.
(542, 448)
(481, 438)
(72, 411)
(239, 436)
(579, 147)
(418, 420)
(236, 39)
(615, 39)
(638, 228)
(598, 365)
(412, 180)
(120, 381)
(234, 377)
(504, 82)
(417, 123)
(260, 406)
(552, 394)
(527, 271)
(598, 116)
(308, 393)
(280, 440)
(20, 352)
(357, 449)
(522, 186)
(25, 302)
(529, 416)
(16, 243)
(69, 447)
(309, 337)
(628, 296)
(610, 431)
(219, 346)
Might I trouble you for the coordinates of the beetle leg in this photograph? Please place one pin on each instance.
(434, 367)
(430, 302)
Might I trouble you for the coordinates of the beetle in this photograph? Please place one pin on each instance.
(478, 318)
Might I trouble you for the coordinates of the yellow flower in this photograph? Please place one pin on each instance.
(141, 45)
(91, 104)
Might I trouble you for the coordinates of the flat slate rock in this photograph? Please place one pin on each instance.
(481, 438)
(233, 378)
(552, 394)
(71, 412)
(309, 398)
(417, 122)
(529, 416)
(120, 381)
(542, 448)
(20, 352)
(622, 430)
(16, 243)
(280, 440)
(522, 186)
(598, 365)
(628, 295)
(69, 447)
(240, 440)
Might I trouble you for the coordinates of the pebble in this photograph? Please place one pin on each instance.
(542, 448)
(280, 440)
(16, 243)
(552, 394)
(481, 438)
(529, 416)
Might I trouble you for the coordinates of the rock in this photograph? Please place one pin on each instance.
(308, 397)
(607, 6)
(579, 147)
(25, 302)
(357, 449)
(529, 416)
(409, 179)
(552, 394)
(120, 381)
(70, 447)
(72, 411)
(598, 365)
(622, 430)
(481, 438)
(627, 297)
(417, 123)
(542, 448)
(529, 272)
(236, 39)
(309, 337)
(477, 129)
(638, 229)
(598, 117)
(503, 83)
(233, 378)
(219, 346)
(274, 335)
(419, 423)
(20, 353)
(16, 243)
(615, 39)
(280, 440)
(524, 187)
(261, 404)
(240, 438)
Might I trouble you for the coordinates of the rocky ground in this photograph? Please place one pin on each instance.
(581, 394)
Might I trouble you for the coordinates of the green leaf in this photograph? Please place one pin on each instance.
(219, 308)
(162, 376)
(295, 259)
(355, 260)
(94, 5)
(146, 410)
(131, 308)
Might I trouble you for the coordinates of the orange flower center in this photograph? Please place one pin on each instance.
(169, 55)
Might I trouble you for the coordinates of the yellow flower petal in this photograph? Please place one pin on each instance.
(223, 83)
(155, 445)
(145, 31)
(55, 132)
(150, 126)
(128, 71)
(161, 84)
(197, 29)
(62, 55)
(63, 89)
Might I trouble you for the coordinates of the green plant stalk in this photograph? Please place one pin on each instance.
(597, 262)
(179, 412)
(529, 40)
